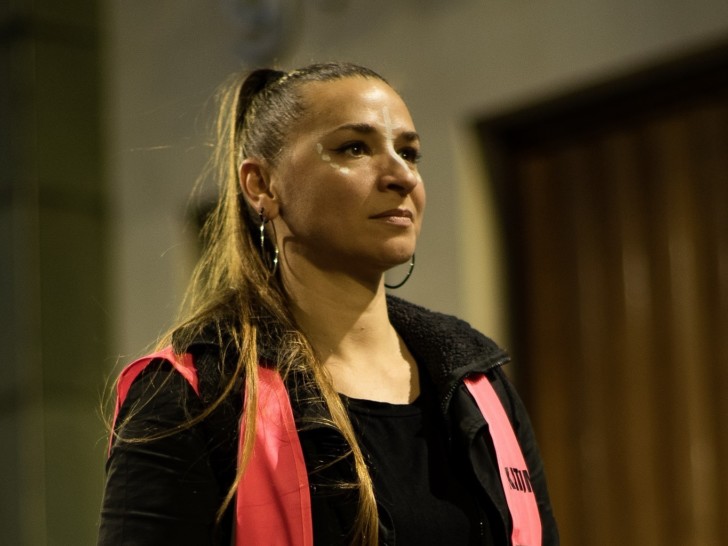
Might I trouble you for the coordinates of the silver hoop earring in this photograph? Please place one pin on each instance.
(263, 254)
(406, 278)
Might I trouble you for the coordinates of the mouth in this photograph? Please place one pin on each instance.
(395, 217)
(395, 213)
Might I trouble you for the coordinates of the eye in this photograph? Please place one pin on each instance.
(410, 154)
(353, 149)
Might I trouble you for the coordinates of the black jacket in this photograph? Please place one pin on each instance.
(143, 507)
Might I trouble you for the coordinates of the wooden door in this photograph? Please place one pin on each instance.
(615, 202)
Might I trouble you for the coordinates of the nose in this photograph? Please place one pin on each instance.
(397, 175)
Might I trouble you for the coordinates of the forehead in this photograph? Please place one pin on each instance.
(356, 99)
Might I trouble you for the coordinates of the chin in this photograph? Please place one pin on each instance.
(391, 255)
(398, 259)
(401, 252)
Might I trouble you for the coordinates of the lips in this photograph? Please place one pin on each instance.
(394, 213)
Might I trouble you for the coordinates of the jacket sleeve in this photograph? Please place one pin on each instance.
(163, 490)
(527, 439)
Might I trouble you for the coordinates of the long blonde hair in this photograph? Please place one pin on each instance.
(232, 287)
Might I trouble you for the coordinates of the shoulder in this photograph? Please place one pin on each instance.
(187, 375)
(213, 351)
(152, 398)
(160, 399)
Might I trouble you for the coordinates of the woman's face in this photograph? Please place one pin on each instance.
(350, 195)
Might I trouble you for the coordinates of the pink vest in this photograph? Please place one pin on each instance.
(273, 504)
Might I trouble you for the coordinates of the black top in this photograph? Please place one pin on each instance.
(167, 491)
(174, 488)
(415, 478)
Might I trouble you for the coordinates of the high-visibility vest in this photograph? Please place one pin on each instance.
(273, 503)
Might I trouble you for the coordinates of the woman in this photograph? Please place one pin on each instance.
(365, 419)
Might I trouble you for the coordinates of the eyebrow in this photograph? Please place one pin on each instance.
(365, 128)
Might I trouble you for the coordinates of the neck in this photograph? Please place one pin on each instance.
(347, 323)
(340, 315)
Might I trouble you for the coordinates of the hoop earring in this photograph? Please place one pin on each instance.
(406, 278)
(274, 267)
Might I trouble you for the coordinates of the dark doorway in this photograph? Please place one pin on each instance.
(614, 202)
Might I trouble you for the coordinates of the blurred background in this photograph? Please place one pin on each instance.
(576, 163)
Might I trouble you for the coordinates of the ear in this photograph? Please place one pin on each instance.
(254, 178)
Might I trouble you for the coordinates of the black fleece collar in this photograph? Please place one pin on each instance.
(448, 348)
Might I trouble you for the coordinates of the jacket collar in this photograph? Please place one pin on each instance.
(446, 348)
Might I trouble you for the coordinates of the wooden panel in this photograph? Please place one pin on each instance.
(545, 256)
(622, 245)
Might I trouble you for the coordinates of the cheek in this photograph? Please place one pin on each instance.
(326, 158)
(307, 200)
